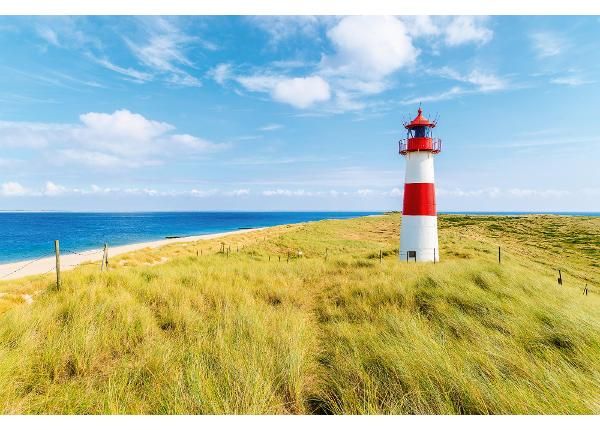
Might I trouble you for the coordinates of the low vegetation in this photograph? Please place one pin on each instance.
(306, 319)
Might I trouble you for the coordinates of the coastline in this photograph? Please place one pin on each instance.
(45, 265)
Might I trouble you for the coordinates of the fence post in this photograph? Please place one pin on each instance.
(288, 257)
(57, 252)
(380, 256)
(499, 256)
(559, 277)
(104, 258)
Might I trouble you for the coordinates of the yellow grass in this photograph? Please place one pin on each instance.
(166, 331)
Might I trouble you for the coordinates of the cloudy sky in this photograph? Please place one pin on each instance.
(296, 113)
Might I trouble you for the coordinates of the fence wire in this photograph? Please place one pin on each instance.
(25, 265)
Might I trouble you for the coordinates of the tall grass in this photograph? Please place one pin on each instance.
(165, 331)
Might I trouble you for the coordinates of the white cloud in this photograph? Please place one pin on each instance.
(547, 44)
(10, 189)
(301, 92)
(422, 25)
(444, 95)
(259, 83)
(396, 192)
(286, 193)
(271, 127)
(53, 189)
(477, 80)
(118, 139)
(491, 192)
(362, 193)
(196, 143)
(237, 193)
(281, 28)
(495, 192)
(525, 193)
(48, 35)
(133, 74)
(369, 47)
(467, 29)
(221, 73)
(164, 52)
(483, 81)
(122, 125)
(571, 81)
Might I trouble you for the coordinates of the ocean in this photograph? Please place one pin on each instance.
(30, 235)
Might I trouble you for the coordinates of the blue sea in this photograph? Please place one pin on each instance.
(29, 235)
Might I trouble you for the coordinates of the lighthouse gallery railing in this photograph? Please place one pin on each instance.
(435, 147)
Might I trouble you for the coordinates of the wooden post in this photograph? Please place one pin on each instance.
(288, 257)
(559, 277)
(197, 255)
(102, 266)
(280, 258)
(57, 252)
(499, 256)
(380, 256)
(269, 258)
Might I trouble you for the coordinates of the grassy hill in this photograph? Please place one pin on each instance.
(332, 331)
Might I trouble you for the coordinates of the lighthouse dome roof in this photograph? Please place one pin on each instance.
(420, 121)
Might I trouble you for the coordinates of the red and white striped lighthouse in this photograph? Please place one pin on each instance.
(418, 233)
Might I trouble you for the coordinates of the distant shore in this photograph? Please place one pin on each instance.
(22, 269)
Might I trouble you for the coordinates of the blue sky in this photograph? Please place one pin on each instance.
(296, 113)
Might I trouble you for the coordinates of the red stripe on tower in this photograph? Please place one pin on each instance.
(419, 199)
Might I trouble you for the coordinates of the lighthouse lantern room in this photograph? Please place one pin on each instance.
(418, 232)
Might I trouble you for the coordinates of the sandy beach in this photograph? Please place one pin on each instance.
(25, 268)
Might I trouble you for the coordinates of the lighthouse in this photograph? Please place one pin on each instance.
(418, 233)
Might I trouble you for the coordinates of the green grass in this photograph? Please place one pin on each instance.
(165, 331)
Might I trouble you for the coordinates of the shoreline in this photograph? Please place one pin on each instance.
(68, 262)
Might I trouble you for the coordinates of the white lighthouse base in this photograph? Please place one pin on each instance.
(419, 234)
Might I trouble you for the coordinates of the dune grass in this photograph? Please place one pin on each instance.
(185, 329)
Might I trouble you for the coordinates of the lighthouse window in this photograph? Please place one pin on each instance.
(420, 131)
